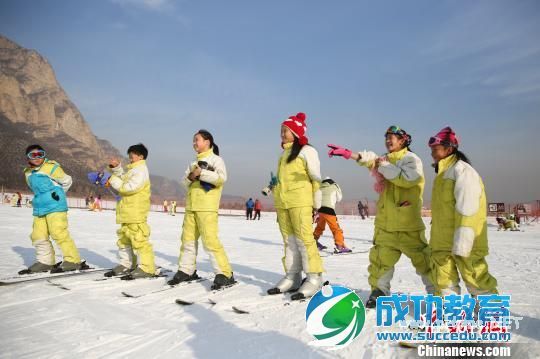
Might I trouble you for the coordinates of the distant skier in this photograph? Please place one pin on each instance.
(258, 208)
(399, 228)
(331, 194)
(361, 209)
(249, 209)
(296, 195)
(204, 187)
(132, 214)
(97, 204)
(49, 183)
(459, 221)
(173, 208)
(165, 206)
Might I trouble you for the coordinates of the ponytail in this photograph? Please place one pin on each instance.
(208, 136)
(461, 156)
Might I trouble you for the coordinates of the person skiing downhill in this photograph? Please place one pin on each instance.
(459, 221)
(49, 182)
(131, 213)
(296, 194)
(331, 194)
(399, 228)
(204, 180)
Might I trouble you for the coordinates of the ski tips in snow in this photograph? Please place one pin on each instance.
(239, 311)
(58, 285)
(180, 301)
(409, 345)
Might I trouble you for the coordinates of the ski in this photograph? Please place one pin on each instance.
(239, 310)
(49, 276)
(212, 299)
(349, 253)
(161, 272)
(264, 305)
(162, 289)
(408, 345)
(329, 253)
(64, 287)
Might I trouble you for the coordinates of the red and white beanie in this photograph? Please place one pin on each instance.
(297, 125)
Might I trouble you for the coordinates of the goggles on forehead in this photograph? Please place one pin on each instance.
(36, 154)
(435, 140)
(396, 130)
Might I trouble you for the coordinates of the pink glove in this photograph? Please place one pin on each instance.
(339, 151)
(379, 184)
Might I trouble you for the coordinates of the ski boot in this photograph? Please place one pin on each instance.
(320, 246)
(66, 266)
(310, 286)
(372, 300)
(221, 281)
(290, 283)
(118, 270)
(180, 277)
(37, 267)
(341, 250)
(137, 274)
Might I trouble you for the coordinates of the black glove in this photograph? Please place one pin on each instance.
(55, 196)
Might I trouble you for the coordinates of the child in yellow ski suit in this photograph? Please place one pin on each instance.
(131, 213)
(204, 181)
(459, 221)
(296, 194)
(399, 228)
(49, 183)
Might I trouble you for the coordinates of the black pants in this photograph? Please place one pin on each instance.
(249, 213)
(257, 214)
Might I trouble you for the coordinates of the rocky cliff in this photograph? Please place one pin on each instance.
(35, 109)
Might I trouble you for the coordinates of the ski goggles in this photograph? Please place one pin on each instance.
(395, 130)
(435, 140)
(36, 154)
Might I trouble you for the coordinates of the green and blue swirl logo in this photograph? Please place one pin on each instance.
(335, 316)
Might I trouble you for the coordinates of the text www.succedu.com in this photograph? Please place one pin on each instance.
(443, 337)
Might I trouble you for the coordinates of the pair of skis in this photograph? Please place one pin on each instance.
(260, 303)
(48, 276)
(22, 279)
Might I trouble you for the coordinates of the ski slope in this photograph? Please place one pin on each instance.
(94, 320)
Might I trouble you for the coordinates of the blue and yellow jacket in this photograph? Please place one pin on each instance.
(49, 184)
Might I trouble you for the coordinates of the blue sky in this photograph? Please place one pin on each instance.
(157, 70)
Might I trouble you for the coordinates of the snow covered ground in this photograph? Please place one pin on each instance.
(93, 319)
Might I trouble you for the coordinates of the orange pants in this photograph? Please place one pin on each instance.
(334, 227)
